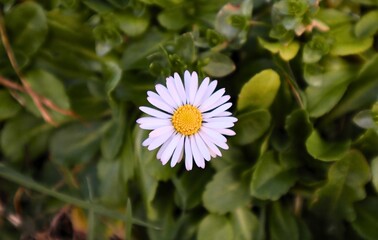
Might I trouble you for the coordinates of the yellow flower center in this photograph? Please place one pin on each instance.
(187, 120)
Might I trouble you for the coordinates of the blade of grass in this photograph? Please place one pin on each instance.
(91, 214)
(14, 176)
(129, 223)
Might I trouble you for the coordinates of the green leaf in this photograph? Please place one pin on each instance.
(113, 75)
(8, 106)
(282, 224)
(137, 51)
(328, 87)
(218, 64)
(344, 186)
(362, 91)
(298, 117)
(27, 36)
(367, 25)
(286, 51)
(22, 136)
(260, 90)
(47, 85)
(131, 24)
(215, 227)
(112, 190)
(227, 191)
(325, 150)
(364, 119)
(113, 137)
(271, 178)
(172, 19)
(185, 49)
(367, 218)
(346, 43)
(251, 125)
(190, 187)
(374, 173)
(245, 224)
(75, 143)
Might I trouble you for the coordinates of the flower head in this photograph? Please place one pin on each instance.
(190, 120)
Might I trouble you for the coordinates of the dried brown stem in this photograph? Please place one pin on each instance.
(40, 101)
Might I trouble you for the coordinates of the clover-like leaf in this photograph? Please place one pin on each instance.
(347, 178)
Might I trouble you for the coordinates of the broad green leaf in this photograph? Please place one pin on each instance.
(362, 91)
(286, 51)
(344, 186)
(8, 106)
(297, 118)
(185, 49)
(27, 36)
(112, 75)
(132, 25)
(113, 137)
(251, 125)
(24, 135)
(136, 51)
(367, 218)
(346, 43)
(327, 88)
(245, 224)
(325, 150)
(367, 25)
(364, 119)
(190, 187)
(147, 183)
(172, 19)
(315, 49)
(215, 227)
(271, 178)
(227, 191)
(282, 224)
(218, 64)
(111, 188)
(374, 173)
(260, 90)
(50, 87)
(76, 143)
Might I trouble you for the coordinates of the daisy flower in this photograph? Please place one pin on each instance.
(189, 120)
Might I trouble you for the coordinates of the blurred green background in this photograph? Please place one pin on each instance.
(303, 79)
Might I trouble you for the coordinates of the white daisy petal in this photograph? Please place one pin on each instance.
(180, 88)
(198, 158)
(210, 89)
(147, 142)
(224, 114)
(160, 104)
(154, 112)
(218, 111)
(165, 95)
(216, 141)
(193, 87)
(187, 79)
(158, 141)
(147, 120)
(214, 134)
(201, 91)
(212, 148)
(170, 148)
(217, 103)
(177, 155)
(226, 131)
(204, 107)
(159, 131)
(163, 147)
(153, 125)
(172, 90)
(219, 124)
(188, 155)
(221, 119)
(202, 147)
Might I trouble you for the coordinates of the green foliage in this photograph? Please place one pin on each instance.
(303, 80)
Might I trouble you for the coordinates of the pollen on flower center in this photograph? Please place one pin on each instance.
(187, 120)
